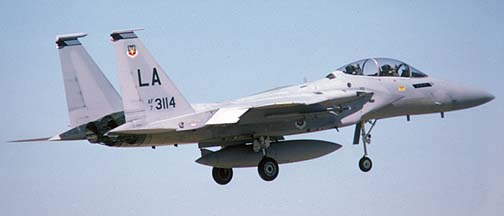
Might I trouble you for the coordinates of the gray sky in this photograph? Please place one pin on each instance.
(224, 50)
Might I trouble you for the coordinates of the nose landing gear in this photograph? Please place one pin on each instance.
(365, 163)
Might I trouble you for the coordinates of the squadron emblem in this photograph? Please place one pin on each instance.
(132, 51)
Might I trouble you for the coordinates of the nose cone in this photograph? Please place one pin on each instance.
(480, 97)
(465, 97)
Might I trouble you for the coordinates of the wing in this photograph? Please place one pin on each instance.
(285, 105)
(261, 108)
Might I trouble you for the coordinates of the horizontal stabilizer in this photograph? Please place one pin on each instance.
(53, 138)
(32, 140)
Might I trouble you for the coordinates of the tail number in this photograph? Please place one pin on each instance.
(162, 103)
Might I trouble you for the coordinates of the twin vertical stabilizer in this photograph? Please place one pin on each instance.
(89, 94)
(147, 92)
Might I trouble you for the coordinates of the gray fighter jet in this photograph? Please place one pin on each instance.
(250, 131)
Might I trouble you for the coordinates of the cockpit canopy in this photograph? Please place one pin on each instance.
(384, 67)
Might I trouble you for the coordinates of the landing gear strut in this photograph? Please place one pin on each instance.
(365, 163)
(222, 175)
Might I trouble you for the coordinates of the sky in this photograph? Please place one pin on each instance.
(221, 50)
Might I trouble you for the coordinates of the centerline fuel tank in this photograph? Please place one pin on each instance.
(282, 151)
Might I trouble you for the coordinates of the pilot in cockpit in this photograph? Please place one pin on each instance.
(387, 70)
(405, 72)
(353, 69)
(394, 71)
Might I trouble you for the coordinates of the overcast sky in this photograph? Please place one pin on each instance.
(220, 50)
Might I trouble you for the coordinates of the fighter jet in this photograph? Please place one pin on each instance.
(250, 131)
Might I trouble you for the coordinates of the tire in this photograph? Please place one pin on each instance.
(222, 175)
(365, 164)
(268, 169)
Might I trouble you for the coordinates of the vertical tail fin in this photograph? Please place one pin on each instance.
(148, 94)
(89, 94)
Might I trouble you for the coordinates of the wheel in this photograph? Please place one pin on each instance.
(222, 175)
(268, 169)
(365, 164)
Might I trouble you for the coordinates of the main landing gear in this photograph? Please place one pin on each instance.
(365, 163)
(267, 168)
(222, 175)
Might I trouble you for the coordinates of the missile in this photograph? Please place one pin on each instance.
(282, 151)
